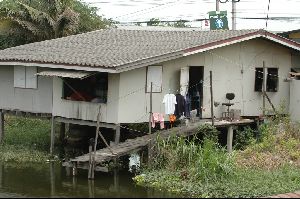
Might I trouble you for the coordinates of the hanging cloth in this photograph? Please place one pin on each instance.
(180, 106)
(172, 119)
(158, 118)
(169, 101)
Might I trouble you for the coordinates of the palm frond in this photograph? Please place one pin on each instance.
(37, 15)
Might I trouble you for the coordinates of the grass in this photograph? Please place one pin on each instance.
(264, 167)
(243, 183)
(26, 140)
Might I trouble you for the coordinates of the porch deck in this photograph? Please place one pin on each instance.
(137, 144)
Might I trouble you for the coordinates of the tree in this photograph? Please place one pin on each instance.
(154, 22)
(37, 20)
(157, 22)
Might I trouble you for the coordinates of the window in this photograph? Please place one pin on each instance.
(272, 79)
(258, 79)
(25, 77)
(154, 75)
(92, 89)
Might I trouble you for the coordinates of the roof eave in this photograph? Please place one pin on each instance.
(58, 66)
(233, 40)
(149, 61)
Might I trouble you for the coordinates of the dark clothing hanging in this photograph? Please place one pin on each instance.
(180, 106)
(187, 110)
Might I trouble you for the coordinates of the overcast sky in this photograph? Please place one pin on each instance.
(143, 10)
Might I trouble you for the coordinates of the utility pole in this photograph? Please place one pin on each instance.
(233, 10)
(233, 15)
(217, 5)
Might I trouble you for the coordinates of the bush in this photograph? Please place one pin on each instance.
(208, 132)
(244, 138)
(193, 161)
(27, 132)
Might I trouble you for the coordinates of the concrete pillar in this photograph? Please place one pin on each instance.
(1, 126)
(229, 138)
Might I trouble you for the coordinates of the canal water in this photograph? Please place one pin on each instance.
(53, 180)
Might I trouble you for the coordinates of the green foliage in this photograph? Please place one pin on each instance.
(266, 167)
(153, 22)
(244, 138)
(28, 132)
(89, 20)
(26, 140)
(197, 162)
(38, 20)
(208, 132)
(157, 22)
(142, 127)
(20, 154)
(243, 183)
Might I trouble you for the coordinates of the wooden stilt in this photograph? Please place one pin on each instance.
(229, 138)
(90, 163)
(62, 132)
(118, 134)
(52, 135)
(91, 189)
(1, 126)
(75, 169)
(52, 179)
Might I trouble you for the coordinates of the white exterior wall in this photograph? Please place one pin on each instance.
(227, 64)
(28, 100)
(295, 100)
(87, 110)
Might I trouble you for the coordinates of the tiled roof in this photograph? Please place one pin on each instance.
(111, 48)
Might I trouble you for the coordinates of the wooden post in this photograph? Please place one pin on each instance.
(52, 179)
(211, 100)
(91, 189)
(1, 126)
(75, 169)
(116, 181)
(90, 162)
(229, 138)
(118, 134)
(264, 89)
(95, 145)
(62, 132)
(150, 126)
(52, 135)
(150, 113)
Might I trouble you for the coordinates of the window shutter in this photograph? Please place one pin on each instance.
(19, 76)
(154, 75)
(31, 77)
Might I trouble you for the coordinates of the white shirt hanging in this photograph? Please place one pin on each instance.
(169, 101)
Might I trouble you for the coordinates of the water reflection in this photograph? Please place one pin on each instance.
(53, 180)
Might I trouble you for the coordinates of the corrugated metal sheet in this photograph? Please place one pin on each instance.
(67, 74)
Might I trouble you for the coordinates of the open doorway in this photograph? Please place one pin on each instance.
(195, 91)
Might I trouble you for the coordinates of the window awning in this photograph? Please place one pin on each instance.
(66, 74)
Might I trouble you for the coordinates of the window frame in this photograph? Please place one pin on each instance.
(270, 78)
(23, 72)
(147, 90)
(259, 70)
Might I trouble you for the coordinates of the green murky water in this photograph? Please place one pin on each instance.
(53, 180)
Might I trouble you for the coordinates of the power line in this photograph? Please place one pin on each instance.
(139, 11)
(268, 14)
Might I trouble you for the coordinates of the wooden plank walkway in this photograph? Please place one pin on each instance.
(136, 144)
